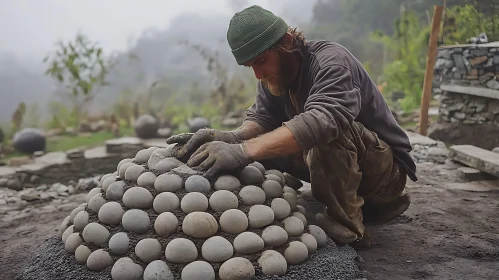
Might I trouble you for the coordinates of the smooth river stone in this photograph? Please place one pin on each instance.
(148, 250)
(272, 263)
(233, 221)
(146, 179)
(82, 253)
(96, 202)
(319, 235)
(309, 241)
(165, 202)
(126, 269)
(272, 189)
(181, 250)
(111, 213)
(99, 260)
(67, 233)
(300, 216)
(272, 177)
(301, 209)
(108, 182)
(281, 208)
(287, 189)
(260, 216)
(119, 243)
(165, 224)
(116, 190)
(143, 155)
(81, 220)
(293, 226)
(194, 201)
(291, 199)
(223, 200)
(123, 161)
(197, 183)
(136, 220)
(237, 268)
(198, 270)
(159, 155)
(274, 236)
(75, 212)
(296, 253)
(91, 193)
(123, 168)
(250, 175)
(96, 234)
(133, 172)
(248, 243)
(227, 182)
(167, 164)
(200, 225)
(168, 183)
(158, 270)
(64, 226)
(275, 172)
(259, 166)
(217, 249)
(138, 197)
(252, 195)
(104, 177)
(72, 242)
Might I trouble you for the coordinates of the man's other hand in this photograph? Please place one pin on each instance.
(192, 141)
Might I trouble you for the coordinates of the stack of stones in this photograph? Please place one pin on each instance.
(468, 109)
(156, 218)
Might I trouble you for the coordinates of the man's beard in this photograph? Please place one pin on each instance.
(278, 84)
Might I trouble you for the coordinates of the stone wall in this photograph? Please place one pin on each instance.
(468, 109)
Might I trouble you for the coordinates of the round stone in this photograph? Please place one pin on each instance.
(81, 220)
(301, 209)
(133, 172)
(250, 175)
(309, 241)
(136, 220)
(158, 270)
(119, 243)
(146, 179)
(104, 177)
(260, 216)
(272, 189)
(109, 180)
(181, 250)
(274, 236)
(302, 217)
(272, 177)
(138, 197)
(96, 234)
(82, 253)
(275, 172)
(272, 263)
(237, 269)
(293, 226)
(123, 168)
(223, 200)
(291, 199)
(248, 243)
(194, 201)
(143, 155)
(227, 182)
(168, 183)
(148, 250)
(165, 202)
(67, 233)
(200, 225)
(287, 189)
(75, 212)
(252, 195)
(198, 270)
(116, 190)
(64, 226)
(167, 164)
(233, 221)
(166, 223)
(99, 260)
(91, 193)
(126, 269)
(296, 253)
(72, 242)
(259, 166)
(319, 234)
(281, 208)
(217, 249)
(96, 202)
(111, 213)
(197, 183)
(123, 161)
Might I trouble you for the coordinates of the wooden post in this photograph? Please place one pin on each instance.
(430, 63)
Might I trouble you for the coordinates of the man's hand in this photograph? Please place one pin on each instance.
(192, 141)
(217, 156)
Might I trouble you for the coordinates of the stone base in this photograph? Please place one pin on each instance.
(484, 136)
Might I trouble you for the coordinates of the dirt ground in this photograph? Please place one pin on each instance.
(445, 234)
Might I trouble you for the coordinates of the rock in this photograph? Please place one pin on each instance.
(194, 201)
(302, 217)
(144, 155)
(197, 183)
(96, 202)
(29, 140)
(276, 178)
(82, 253)
(272, 263)
(81, 220)
(168, 183)
(293, 226)
(296, 253)
(95, 234)
(319, 234)
(148, 250)
(138, 197)
(181, 250)
(115, 190)
(99, 260)
(259, 166)
(233, 221)
(198, 270)
(281, 208)
(260, 216)
(158, 270)
(72, 242)
(165, 224)
(146, 179)
(309, 241)
(168, 164)
(250, 175)
(227, 182)
(133, 172)
(248, 243)
(111, 213)
(274, 236)
(136, 220)
(161, 154)
(217, 249)
(223, 200)
(252, 195)
(165, 202)
(108, 181)
(200, 225)
(146, 126)
(126, 269)
(272, 189)
(119, 243)
(198, 123)
(236, 269)
(291, 199)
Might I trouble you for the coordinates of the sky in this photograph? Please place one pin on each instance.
(31, 27)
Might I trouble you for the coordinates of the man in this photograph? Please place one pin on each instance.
(313, 98)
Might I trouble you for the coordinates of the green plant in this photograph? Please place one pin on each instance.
(464, 22)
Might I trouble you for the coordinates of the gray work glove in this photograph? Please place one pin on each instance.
(217, 156)
(192, 141)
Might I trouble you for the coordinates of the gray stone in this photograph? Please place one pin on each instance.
(123, 169)
(281, 208)
(233, 221)
(146, 127)
(309, 241)
(194, 201)
(251, 175)
(116, 190)
(29, 140)
(64, 226)
(272, 263)
(319, 235)
(143, 155)
(260, 216)
(252, 195)
(96, 202)
(227, 182)
(198, 123)
(481, 159)
(126, 269)
(167, 164)
(165, 224)
(275, 178)
(123, 161)
(493, 84)
(168, 183)
(274, 236)
(138, 197)
(186, 170)
(159, 155)
(296, 253)
(217, 249)
(292, 181)
(291, 199)
(136, 220)
(148, 250)
(111, 213)
(197, 183)
(495, 150)
(91, 193)
(146, 179)
(165, 202)
(259, 166)
(82, 253)
(119, 243)
(198, 270)
(302, 217)
(99, 260)
(247, 243)
(181, 250)
(293, 226)
(223, 200)
(272, 188)
(237, 268)
(107, 182)
(96, 234)
(67, 232)
(72, 242)
(200, 225)
(158, 270)
(80, 220)
(287, 189)
(133, 172)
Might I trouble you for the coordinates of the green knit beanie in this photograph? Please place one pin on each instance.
(252, 31)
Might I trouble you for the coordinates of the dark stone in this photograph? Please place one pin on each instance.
(146, 126)
(459, 63)
(29, 140)
(479, 135)
(198, 123)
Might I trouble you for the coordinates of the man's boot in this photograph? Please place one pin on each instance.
(336, 231)
(382, 213)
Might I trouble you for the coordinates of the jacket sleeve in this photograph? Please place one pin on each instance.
(333, 103)
(267, 111)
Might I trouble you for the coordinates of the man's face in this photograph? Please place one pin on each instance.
(271, 70)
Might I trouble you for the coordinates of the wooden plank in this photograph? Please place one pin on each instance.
(430, 63)
(476, 91)
(478, 158)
